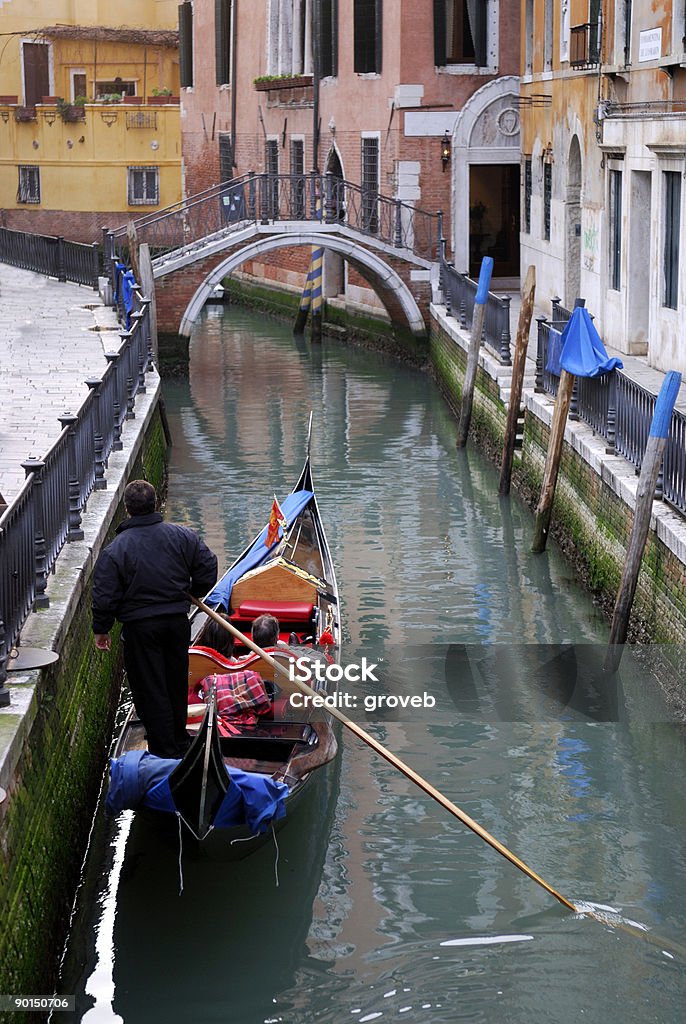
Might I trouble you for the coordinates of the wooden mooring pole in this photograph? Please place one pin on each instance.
(473, 353)
(544, 509)
(650, 468)
(518, 366)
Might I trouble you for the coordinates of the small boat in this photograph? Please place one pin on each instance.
(287, 572)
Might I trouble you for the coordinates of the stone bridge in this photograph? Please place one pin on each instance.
(196, 243)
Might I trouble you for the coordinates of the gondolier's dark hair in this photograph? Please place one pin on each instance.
(140, 498)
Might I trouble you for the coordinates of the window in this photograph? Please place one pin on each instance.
(615, 233)
(548, 36)
(460, 32)
(117, 86)
(370, 184)
(289, 45)
(527, 195)
(367, 25)
(144, 186)
(328, 37)
(36, 60)
(29, 185)
(529, 36)
(298, 179)
(547, 199)
(672, 216)
(222, 40)
(186, 45)
(79, 84)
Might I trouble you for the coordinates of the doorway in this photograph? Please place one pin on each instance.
(494, 218)
(36, 72)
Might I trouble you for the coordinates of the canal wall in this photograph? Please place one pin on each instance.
(595, 496)
(54, 736)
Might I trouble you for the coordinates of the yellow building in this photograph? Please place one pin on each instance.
(89, 115)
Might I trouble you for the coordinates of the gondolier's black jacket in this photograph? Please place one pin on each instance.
(148, 570)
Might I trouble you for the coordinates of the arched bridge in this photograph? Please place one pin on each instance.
(197, 242)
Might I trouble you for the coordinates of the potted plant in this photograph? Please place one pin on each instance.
(162, 96)
(24, 113)
(264, 83)
(70, 112)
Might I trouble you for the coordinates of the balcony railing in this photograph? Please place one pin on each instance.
(584, 45)
(459, 291)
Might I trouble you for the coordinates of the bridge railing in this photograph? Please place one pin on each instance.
(51, 255)
(459, 291)
(47, 511)
(268, 198)
(619, 410)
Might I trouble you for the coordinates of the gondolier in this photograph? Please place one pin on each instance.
(142, 579)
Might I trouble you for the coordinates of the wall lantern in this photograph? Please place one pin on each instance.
(446, 147)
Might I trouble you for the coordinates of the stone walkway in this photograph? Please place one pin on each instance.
(52, 337)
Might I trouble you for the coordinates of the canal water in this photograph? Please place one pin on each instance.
(377, 905)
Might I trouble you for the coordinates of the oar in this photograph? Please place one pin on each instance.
(389, 756)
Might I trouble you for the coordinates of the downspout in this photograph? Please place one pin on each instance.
(316, 71)
(234, 87)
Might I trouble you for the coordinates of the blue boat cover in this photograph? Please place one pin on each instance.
(259, 552)
(139, 779)
(583, 353)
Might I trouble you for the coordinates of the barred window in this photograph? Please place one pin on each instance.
(298, 178)
(225, 157)
(143, 186)
(370, 184)
(615, 229)
(547, 199)
(29, 185)
(272, 164)
(672, 217)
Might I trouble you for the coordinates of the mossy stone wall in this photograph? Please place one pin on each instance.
(46, 818)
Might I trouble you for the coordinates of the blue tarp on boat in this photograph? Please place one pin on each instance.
(583, 353)
(259, 552)
(139, 779)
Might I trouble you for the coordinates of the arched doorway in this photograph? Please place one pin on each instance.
(573, 224)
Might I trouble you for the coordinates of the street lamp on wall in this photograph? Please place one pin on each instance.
(446, 148)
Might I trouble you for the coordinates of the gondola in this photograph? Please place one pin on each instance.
(271, 761)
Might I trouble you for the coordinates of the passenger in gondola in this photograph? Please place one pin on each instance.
(216, 638)
(265, 631)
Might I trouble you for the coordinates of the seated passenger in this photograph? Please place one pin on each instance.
(216, 638)
(265, 631)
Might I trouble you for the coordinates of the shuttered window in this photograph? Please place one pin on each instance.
(186, 45)
(460, 32)
(367, 15)
(29, 185)
(222, 40)
(672, 217)
(328, 30)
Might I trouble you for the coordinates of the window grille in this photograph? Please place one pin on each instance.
(298, 178)
(272, 164)
(29, 185)
(672, 216)
(143, 186)
(370, 184)
(547, 199)
(367, 29)
(615, 232)
(527, 195)
(225, 156)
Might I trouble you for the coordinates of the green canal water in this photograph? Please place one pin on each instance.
(376, 905)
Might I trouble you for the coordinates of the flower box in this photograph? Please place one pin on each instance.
(73, 112)
(51, 100)
(6, 100)
(286, 82)
(24, 113)
(134, 99)
(159, 100)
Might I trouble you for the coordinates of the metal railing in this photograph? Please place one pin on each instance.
(459, 291)
(619, 410)
(47, 511)
(51, 255)
(268, 198)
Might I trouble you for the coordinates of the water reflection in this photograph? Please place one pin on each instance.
(387, 909)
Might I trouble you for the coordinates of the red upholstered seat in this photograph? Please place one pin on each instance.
(289, 611)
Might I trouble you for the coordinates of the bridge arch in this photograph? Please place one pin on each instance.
(395, 295)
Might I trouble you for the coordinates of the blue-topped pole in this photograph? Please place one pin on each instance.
(473, 352)
(650, 468)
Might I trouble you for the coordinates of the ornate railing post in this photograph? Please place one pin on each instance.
(147, 333)
(100, 483)
(95, 265)
(108, 257)
(463, 306)
(611, 447)
(398, 240)
(4, 692)
(117, 444)
(555, 307)
(538, 380)
(36, 466)
(75, 532)
(505, 337)
(574, 401)
(141, 349)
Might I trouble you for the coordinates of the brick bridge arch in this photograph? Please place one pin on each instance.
(184, 282)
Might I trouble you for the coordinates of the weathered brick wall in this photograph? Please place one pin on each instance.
(46, 819)
(73, 225)
(590, 521)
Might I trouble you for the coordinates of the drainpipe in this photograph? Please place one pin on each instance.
(316, 67)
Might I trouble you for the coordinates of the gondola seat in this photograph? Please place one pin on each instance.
(294, 616)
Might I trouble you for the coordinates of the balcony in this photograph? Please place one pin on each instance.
(584, 45)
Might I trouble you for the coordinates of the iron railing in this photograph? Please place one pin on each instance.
(47, 511)
(459, 291)
(619, 410)
(268, 198)
(51, 255)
